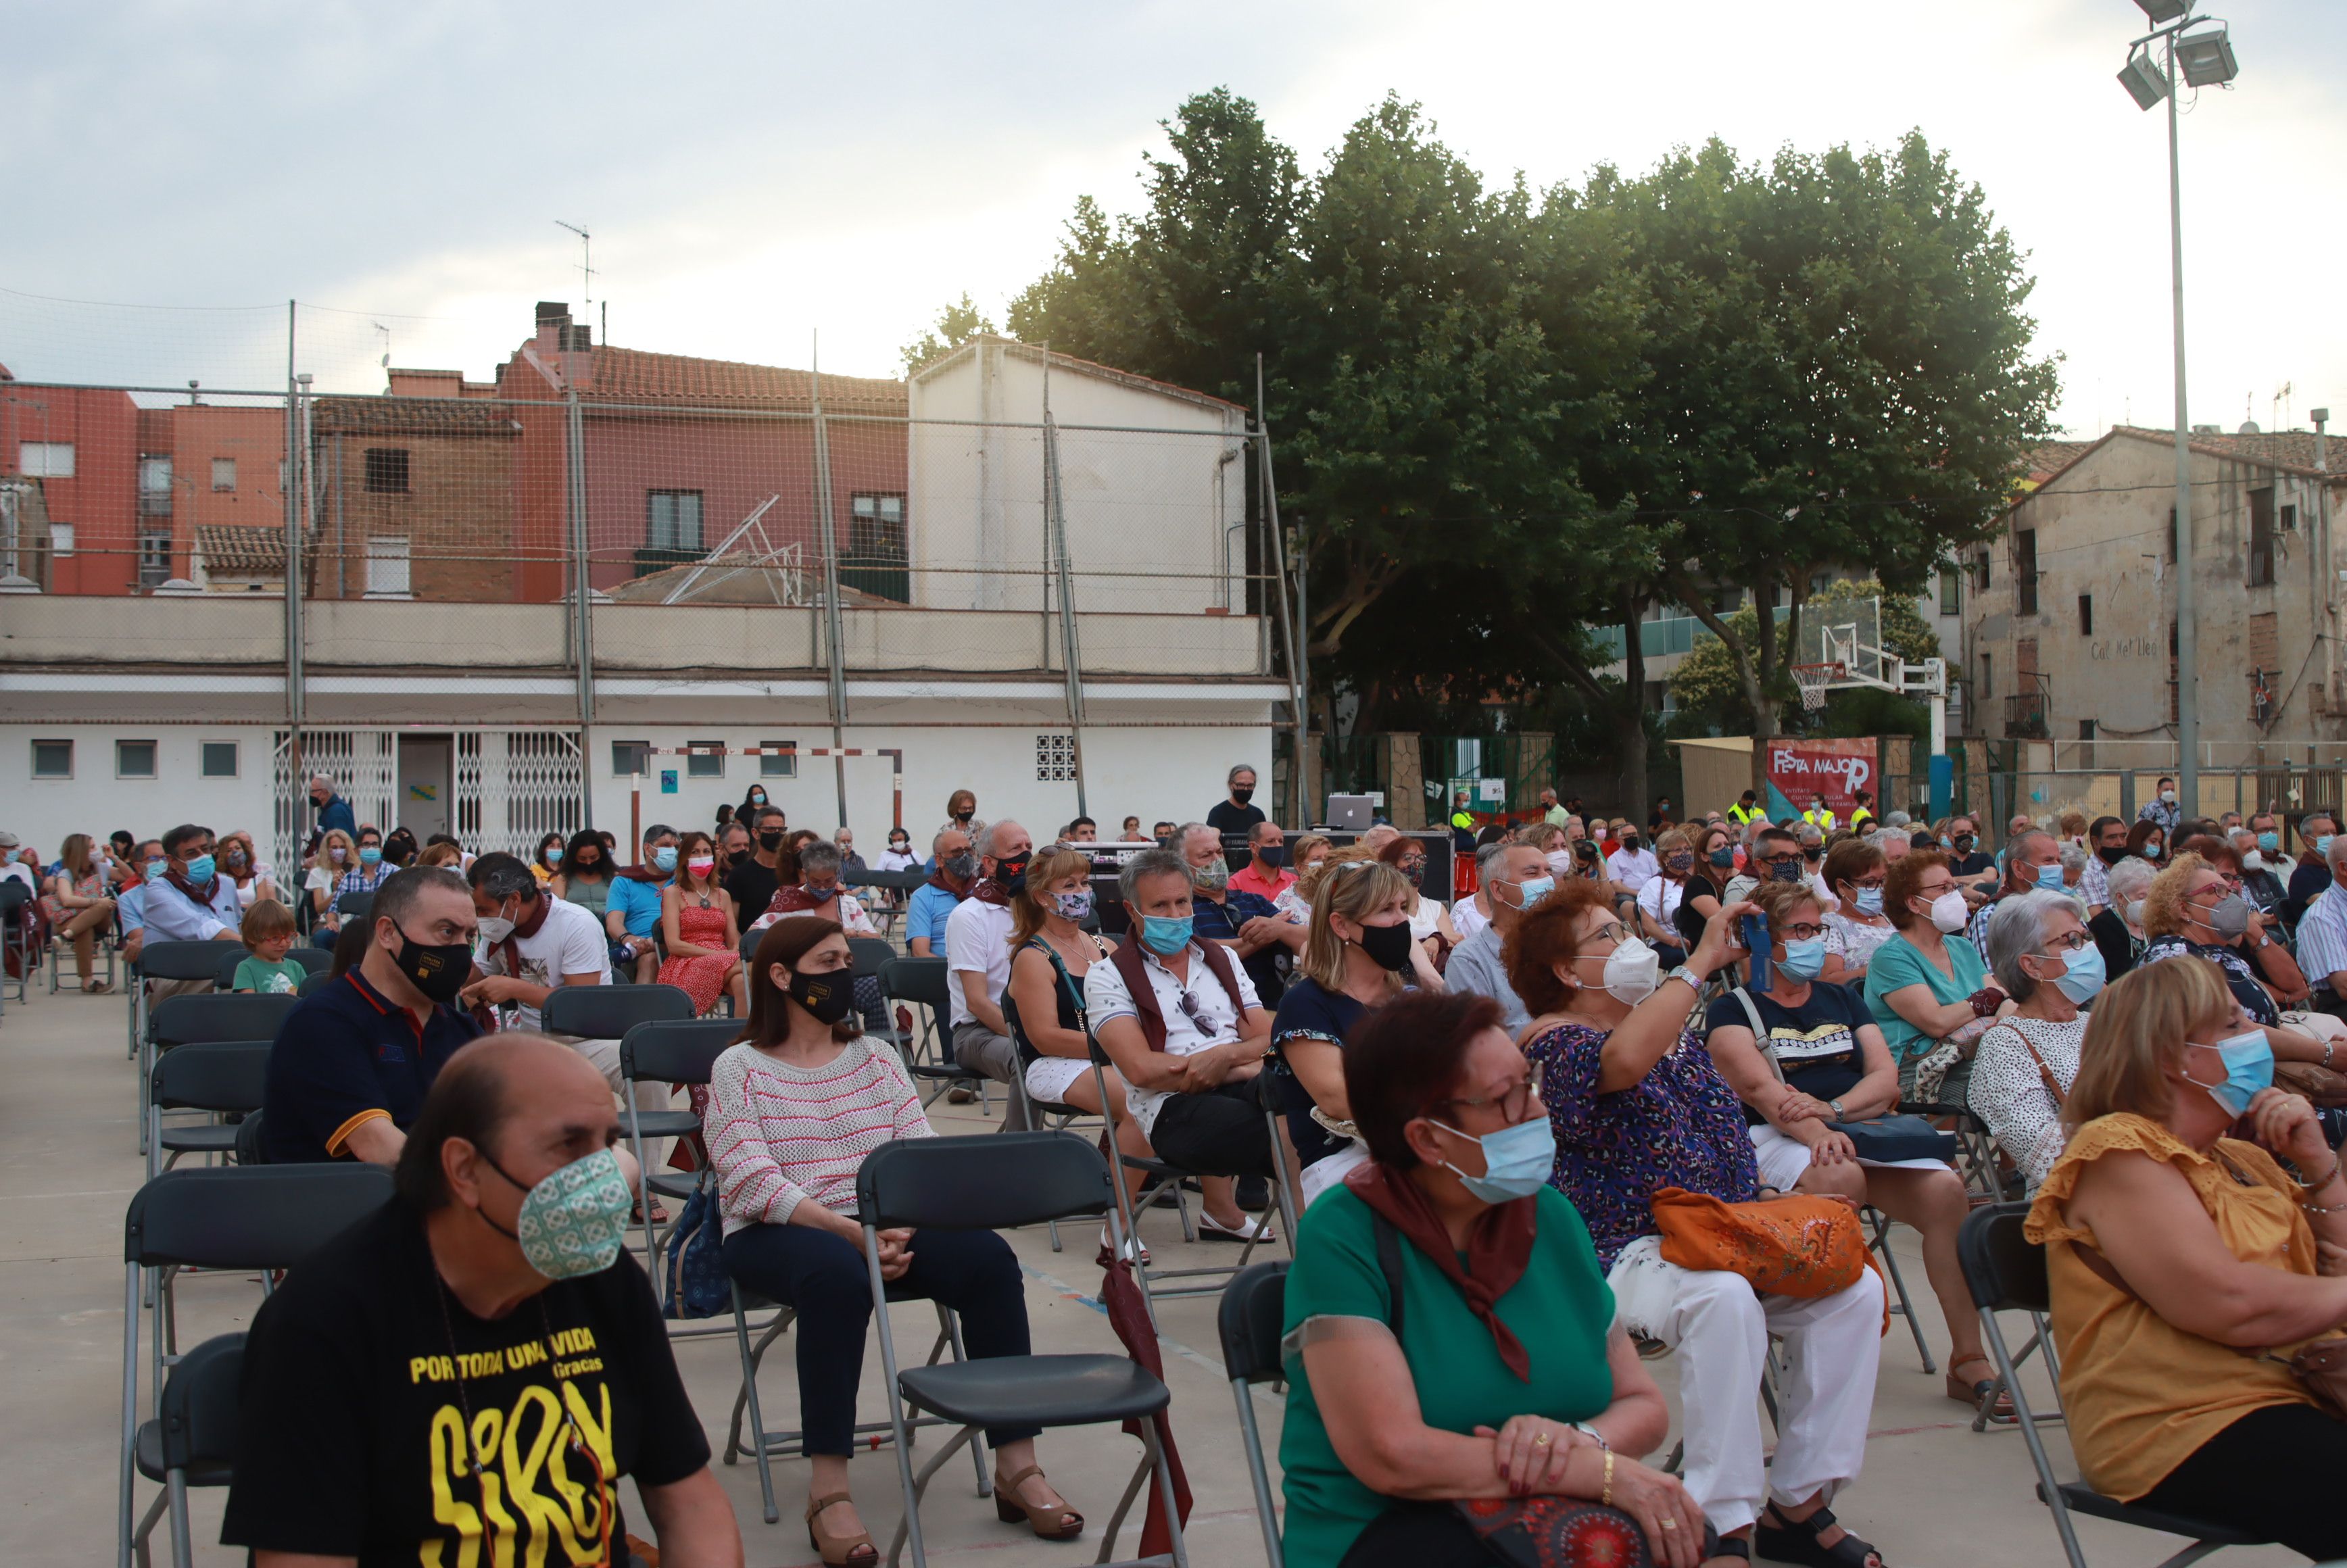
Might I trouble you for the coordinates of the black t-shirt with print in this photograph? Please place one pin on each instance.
(1815, 1043)
(349, 1444)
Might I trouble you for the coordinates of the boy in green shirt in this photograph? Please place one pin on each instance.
(268, 932)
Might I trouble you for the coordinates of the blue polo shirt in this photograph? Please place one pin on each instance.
(1221, 922)
(927, 915)
(345, 1056)
(638, 902)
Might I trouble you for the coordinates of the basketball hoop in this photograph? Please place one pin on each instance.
(1813, 680)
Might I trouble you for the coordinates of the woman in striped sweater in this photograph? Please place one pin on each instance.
(793, 1108)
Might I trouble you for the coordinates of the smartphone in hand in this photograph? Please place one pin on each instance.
(1754, 933)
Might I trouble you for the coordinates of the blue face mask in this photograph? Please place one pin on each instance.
(2268, 842)
(2248, 1067)
(2150, 850)
(664, 857)
(370, 855)
(201, 869)
(1724, 855)
(1530, 891)
(1804, 960)
(155, 868)
(1165, 935)
(2049, 878)
(2323, 846)
(1870, 900)
(1517, 1160)
(2084, 976)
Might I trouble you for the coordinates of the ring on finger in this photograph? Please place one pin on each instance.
(1540, 1439)
(1669, 1524)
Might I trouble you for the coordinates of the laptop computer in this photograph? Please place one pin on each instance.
(1350, 811)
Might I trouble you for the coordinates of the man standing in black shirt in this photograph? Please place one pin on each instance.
(463, 1377)
(1236, 814)
(751, 884)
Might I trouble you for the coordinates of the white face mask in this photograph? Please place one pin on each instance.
(496, 929)
(1948, 912)
(1633, 971)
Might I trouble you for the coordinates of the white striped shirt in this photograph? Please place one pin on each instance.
(2323, 937)
(779, 1135)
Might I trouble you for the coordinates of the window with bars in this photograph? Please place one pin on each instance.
(2261, 537)
(875, 527)
(1055, 759)
(386, 470)
(672, 520)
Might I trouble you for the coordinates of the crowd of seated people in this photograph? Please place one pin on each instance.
(1501, 1084)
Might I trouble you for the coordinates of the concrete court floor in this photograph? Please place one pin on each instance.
(1934, 1494)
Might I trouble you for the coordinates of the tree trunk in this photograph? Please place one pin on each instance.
(1631, 733)
(1756, 671)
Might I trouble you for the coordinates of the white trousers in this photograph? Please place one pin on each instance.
(1720, 1327)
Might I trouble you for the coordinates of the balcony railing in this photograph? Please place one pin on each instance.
(2025, 715)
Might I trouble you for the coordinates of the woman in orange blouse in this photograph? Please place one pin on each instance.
(2193, 1263)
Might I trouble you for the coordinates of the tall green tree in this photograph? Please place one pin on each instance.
(955, 326)
(1840, 376)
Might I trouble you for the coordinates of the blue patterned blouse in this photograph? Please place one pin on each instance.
(1679, 1126)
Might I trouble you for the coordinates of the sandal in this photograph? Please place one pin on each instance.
(1977, 1394)
(96, 988)
(839, 1551)
(1796, 1541)
(1735, 1546)
(636, 1214)
(1065, 1522)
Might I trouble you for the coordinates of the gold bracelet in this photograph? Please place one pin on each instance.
(2306, 1187)
(1605, 1499)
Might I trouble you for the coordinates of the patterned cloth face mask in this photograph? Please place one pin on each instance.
(574, 1222)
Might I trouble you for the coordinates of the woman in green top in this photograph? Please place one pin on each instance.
(584, 877)
(1498, 1375)
(1927, 986)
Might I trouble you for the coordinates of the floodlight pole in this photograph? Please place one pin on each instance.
(2188, 639)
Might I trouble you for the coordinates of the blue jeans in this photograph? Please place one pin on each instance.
(824, 1280)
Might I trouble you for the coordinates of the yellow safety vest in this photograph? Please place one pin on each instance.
(1739, 814)
(1859, 818)
(1464, 820)
(1819, 818)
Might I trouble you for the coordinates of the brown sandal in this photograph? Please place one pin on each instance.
(839, 1551)
(1981, 1392)
(1065, 1522)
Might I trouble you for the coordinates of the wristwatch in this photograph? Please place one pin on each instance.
(1835, 1106)
(1693, 980)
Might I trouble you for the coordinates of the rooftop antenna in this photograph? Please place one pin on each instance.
(2281, 405)
(387, 342)
(586, 257)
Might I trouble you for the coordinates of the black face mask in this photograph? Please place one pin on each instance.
(1243, 795)
(1811, 852)
(2112, 857)
(1009, 874)
(829, 997)
(770, 841)
(1273, 854)
(1387, 946)
(1630, 842)
(1963, 843)
(963, 816)
(736, 856)
(438, 972)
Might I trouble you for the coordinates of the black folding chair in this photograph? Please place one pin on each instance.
(220, 1076)
(199, 1017)
(16, 945)
(2006, 1273)
(313, 982)
(192, 1440)
(1250, 1318)
(349, 906)
(871, 956)
(1878, 1243)
(608, 1013)
(165, 961)
(314, 960)
(998, 1181)
(668, 1051)
(924, 982)
(241, 1217)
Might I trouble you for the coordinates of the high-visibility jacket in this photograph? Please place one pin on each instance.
(1743, 815)
(1464, 821)
(1859, 818)
(1820, 817)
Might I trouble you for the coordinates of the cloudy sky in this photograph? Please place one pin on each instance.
(756, 174)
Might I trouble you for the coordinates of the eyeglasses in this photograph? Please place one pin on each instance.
(1781, 858)
(1610, 931)
(1803, 932)
(1514, 1102)
(2073, 942)
(1195, 1011)
(1875, 881)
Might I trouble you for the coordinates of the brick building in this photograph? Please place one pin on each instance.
(80, 446)
(414, 500)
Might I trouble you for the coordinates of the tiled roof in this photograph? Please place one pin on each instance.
(2042, 462)
(410, 416)
(240, 549)
(2291, 448)
(625, 374)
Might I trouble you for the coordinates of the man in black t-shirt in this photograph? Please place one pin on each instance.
(425, 1389)
(1975, 871)
(751, 884)
(1237, 814)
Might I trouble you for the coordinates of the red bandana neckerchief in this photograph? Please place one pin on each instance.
(1499, 1247)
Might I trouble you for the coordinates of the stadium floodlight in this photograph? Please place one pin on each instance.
(2144, 80)
(2163, 12)
(2207, 58)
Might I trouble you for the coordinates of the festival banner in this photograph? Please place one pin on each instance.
(1802, 769)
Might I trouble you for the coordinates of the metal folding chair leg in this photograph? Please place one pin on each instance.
(1905, 1308)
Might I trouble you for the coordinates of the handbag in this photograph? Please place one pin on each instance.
(698, 1285)
(1885, 1140)
(1793, 1245)
(1561, 1533)
(2319, 1366)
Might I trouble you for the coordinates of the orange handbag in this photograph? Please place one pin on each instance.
(1793, 1245)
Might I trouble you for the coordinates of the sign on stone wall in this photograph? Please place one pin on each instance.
(1799, 770)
